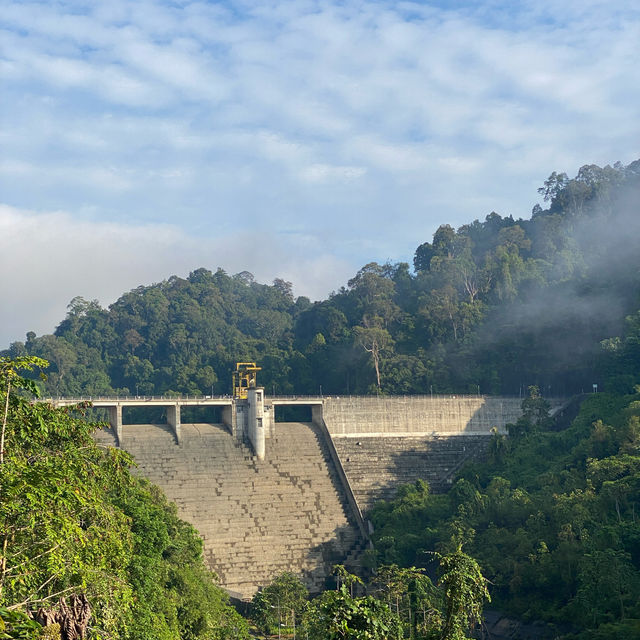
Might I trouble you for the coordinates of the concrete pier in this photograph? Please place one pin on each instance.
(114, 408)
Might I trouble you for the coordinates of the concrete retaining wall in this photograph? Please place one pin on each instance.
(411, 415)
(377, 467)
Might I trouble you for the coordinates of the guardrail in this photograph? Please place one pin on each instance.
(130, 397)
(341, 396)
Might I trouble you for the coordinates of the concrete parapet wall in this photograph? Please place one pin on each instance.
(412, 415)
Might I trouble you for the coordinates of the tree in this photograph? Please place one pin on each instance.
(280, 603)
(372, 292)
(285, 288)
(338, 615)
(422, 257)
(62, 355)
(60, 534)
(444, 240)
(10, 378)
(553, 185)
(374, 340)
(412, 596)
(75, 524)
(535, 408)
(465, 590)
(608, 585)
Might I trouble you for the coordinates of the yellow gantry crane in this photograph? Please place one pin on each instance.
(244, 377)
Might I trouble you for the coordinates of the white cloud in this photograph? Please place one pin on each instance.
(48, 258)
(320, 173)
(307, 116)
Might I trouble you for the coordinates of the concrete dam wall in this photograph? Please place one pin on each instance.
(293, 508)
(421, 415)
(385, 442)
(257, 518)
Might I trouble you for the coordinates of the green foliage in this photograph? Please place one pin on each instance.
(17, 625)
(404, 603)
(552, 519)
(414, 599)
(74, 520)
(61, 532)
(465, 590)
(280, 603)
(338, 615)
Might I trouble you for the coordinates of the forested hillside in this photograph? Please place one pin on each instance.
(552, 517)
(544, 306)
(494, 306)
(88, 548)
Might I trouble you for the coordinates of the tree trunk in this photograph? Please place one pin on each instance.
(4, 423)
(73, 618)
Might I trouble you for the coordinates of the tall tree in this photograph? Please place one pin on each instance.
(465, 591)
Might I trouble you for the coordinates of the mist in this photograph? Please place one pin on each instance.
(564, 322)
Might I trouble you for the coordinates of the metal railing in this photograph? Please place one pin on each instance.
(131, 397)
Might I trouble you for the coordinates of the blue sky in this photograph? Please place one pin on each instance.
(300, 140)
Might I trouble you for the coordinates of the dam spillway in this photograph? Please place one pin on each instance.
(257, 518)
(298, 507)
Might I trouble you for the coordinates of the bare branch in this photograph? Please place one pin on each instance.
(38, 600)
(44, 553)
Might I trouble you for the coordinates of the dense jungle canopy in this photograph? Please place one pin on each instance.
(494, 307)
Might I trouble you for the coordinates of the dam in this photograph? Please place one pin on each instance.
(269, 495)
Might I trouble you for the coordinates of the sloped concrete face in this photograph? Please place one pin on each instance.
(257, 518)
(385, 442)
(404, 460)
